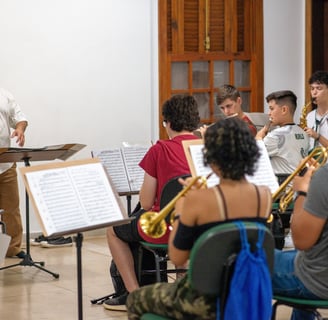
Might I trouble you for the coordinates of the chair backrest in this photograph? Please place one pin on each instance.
(259, 119)
(171, 189)
(4, 244)
(4, 240)
(213, 249)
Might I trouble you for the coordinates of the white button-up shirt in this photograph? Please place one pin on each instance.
(10, 115)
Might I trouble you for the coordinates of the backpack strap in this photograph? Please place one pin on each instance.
(243, 236)
(260, 239)
(244, 239)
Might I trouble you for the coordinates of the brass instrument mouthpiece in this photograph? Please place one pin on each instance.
(268, 125)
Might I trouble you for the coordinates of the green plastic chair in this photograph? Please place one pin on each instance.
(212, 259)
(159, 251)
(302, 304)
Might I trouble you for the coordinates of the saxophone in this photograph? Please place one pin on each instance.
(305, 111)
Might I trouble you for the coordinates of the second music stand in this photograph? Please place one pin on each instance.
(60, 152)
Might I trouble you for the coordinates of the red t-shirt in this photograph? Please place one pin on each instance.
(251, 125)
(166, 160)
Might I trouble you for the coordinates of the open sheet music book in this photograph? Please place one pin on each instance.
(73, 196)
(263, 175)
(122, 165)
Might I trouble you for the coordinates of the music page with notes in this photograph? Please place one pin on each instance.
(122, 165)
(263, 175)
(73, 196)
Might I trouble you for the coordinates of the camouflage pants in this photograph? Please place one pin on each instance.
(174, 300)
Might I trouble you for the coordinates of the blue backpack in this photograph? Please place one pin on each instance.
(250, 293)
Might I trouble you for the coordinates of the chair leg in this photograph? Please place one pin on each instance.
(317, 315)
(274, 311)
(158, 260)
(140, 252)
(158, 268)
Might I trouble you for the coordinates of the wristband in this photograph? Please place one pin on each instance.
(176, 217)
(299, 194)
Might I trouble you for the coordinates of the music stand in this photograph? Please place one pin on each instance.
(60, 152)
(87, 185)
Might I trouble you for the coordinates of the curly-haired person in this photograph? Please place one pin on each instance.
(163, 161)
(232, 152)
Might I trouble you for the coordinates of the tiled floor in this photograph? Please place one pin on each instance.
(27, 293)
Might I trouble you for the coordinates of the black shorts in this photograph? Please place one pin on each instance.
(129, 232)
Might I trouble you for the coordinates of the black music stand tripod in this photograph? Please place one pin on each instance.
(27, 260)
(61, 152)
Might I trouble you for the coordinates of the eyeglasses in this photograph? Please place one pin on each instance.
(164, 123)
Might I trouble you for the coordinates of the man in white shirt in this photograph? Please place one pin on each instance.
(317, 119)
(12, 126)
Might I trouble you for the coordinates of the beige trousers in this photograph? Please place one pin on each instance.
(9, 202)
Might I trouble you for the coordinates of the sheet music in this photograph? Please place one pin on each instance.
(263, 175)
(202, 170)
(73, 197)
(122, 165)
(132, 157)
(115, 166)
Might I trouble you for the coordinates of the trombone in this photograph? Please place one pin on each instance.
(319, 156)
(152, 225)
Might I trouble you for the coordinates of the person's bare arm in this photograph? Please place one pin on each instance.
(147, 193)
(315, 135)
(306, 228)
(185, 209)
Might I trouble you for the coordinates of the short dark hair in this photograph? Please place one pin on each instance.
(227, 91)
(284, 97)
(230, 146)
(319, 77)
(182, 113)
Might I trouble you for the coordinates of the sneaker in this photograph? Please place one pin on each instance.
(116, 302)
(37, 241)
(289, 244)
(57, 242)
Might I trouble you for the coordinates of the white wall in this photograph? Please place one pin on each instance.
(85, 71)
(81, 70)
(284, 48)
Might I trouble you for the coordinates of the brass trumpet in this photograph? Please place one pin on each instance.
(152, 225)
(319, 156)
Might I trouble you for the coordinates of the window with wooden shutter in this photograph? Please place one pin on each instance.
(206, 43)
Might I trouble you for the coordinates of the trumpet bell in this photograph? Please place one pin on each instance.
(154, 233)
